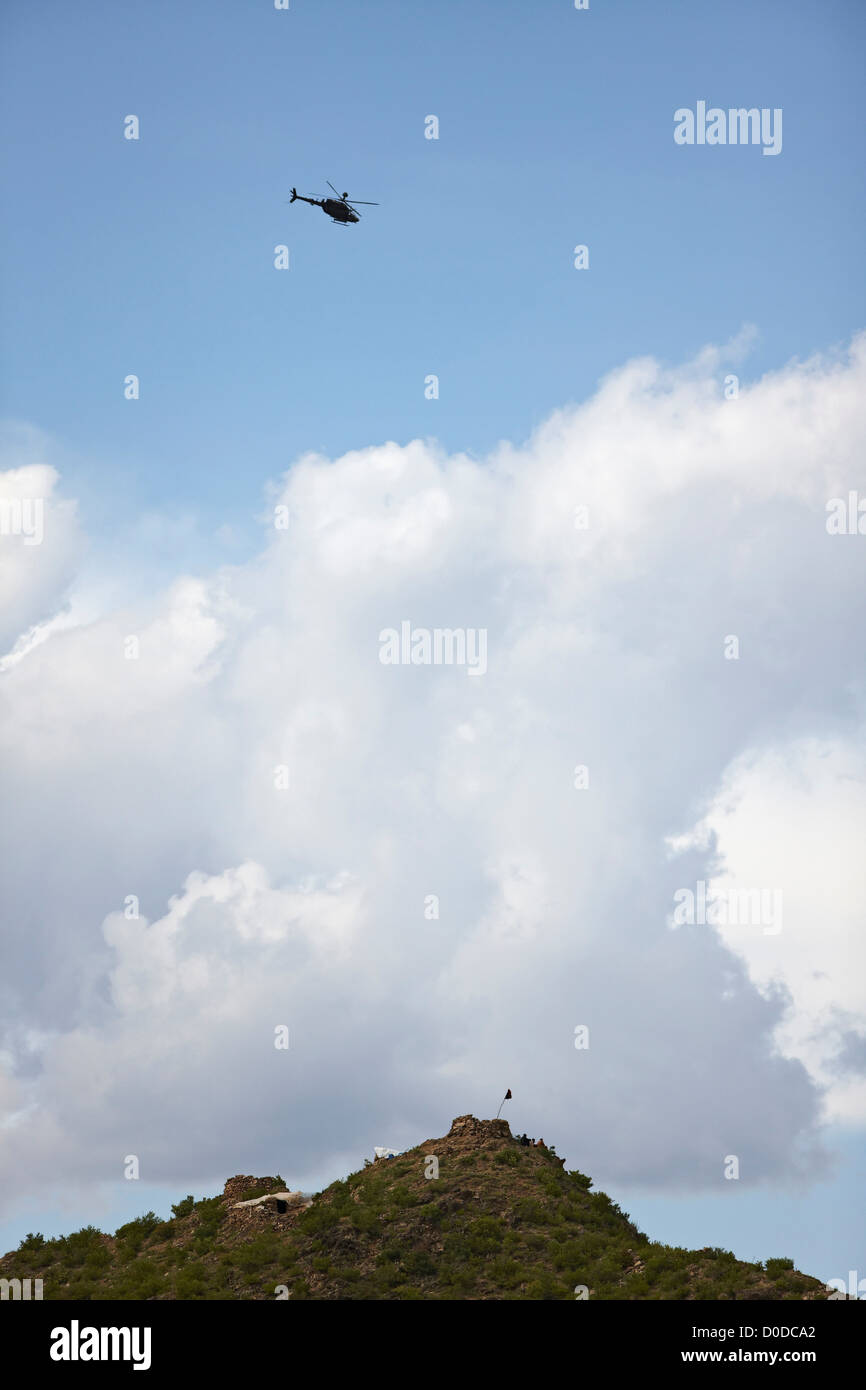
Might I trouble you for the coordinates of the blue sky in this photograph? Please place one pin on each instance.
(155, 257)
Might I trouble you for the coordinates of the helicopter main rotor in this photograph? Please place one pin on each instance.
(344, 198)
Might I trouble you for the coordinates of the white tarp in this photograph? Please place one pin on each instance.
(272, 1197)
(386, 1153)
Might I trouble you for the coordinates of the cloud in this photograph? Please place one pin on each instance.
(285, 808)
(40, 546)
(791, 819)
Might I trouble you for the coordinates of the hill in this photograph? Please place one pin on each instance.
(500, 1221)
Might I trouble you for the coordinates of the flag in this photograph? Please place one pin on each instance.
(506, 1097)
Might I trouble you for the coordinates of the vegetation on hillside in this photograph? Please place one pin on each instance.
(501, 1221)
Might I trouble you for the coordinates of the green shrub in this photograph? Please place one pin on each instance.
(191, 1282)
(75, 1248)
(776, 1267)
(319, 1217)
(98, 1258)
(166, 1230)
(569, 1255)
(419, 1262)
(81, 1288)
(32, 1242)
(210, 1213)
(608, 1205)
(509, 1158)
(133, 1235)
(140, 1280)
(401, 1196)
(389, 1254)
(184, 1207)
(258, 1253)
(484, 1235)
(530, 1212)
(340, 1195)
(399, 1170)
(545, 1286)
(507, 1273)
(552, 1186)
(365, 1222)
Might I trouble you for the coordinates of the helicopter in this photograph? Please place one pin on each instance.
(338, 209)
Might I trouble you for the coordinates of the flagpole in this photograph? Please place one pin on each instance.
(506, 1097)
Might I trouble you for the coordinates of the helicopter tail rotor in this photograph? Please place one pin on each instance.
(294, 195)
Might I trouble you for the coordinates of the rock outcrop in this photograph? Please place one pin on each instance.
(479, 1131)
(236, 1188)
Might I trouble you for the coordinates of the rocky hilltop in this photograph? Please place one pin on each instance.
(473, 1215)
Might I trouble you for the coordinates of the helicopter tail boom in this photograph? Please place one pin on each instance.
(299, 197)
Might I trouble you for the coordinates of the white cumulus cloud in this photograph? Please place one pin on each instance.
(283, 807)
